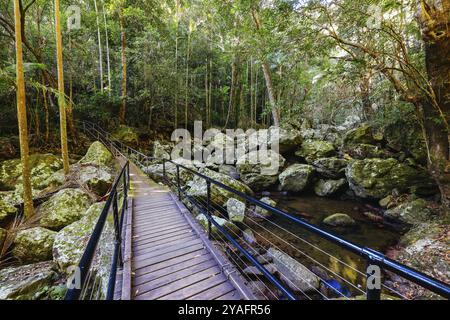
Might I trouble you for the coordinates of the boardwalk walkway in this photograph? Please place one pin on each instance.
(167, 255)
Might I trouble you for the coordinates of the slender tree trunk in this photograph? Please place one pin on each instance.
(22, 116)
(47, 125)
(100, 51)
(268, 77)
(175, 107)
(61, 95)
(123, 107)
(108, 60)
(186, 97)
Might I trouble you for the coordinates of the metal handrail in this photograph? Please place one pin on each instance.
(371, 256)
(85, 262)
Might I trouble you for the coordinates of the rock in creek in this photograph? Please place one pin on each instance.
(312, 150)
(229, 226)
(327, 188)
(339, 220)
(235, 210)
(293, 273)
(297, 177)
(332, 168)
(413, 212)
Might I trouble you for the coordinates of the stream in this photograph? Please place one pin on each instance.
(302, 245)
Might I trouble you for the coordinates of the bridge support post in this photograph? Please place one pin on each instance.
(208, 207)
(164, 169)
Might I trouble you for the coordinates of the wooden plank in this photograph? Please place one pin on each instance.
(164, 243)
(167, 222)
(154, 284)
(157, 215)
(161, 231)
(165, 264)
(165, 250)
(127, 255)
(160, 219)
(163, 237)
(214, 292)
(164, 257)
(171, 269)
(191, 280)
(150, 229)
(141, 238)
(196, 288)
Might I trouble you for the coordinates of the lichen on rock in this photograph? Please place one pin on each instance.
(98, 154)
(297, 177)
(64, 208)
(33, 245)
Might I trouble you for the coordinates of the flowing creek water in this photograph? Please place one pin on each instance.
(303, 245)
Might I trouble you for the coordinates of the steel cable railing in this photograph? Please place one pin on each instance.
(372, 257)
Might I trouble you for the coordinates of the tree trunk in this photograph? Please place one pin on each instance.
(268, 77)
(435, 25)
(108, 60)
(100, 52)
(61, 95)
(22, 116)
(123, 107)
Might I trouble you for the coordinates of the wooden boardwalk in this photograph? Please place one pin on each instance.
(167, 254)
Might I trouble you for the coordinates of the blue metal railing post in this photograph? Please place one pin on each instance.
(178, 181)
(208, 207)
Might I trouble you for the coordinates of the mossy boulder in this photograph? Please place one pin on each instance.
(42, 167)
(126, 134)
(339, 220)
(98, 154)
(293, 273)
(64, 208)
(198, 187)
(33, 245)
(161, 151)
(297, 177)
(98, 179)
(365, 151)
(26, 282)
(263, 213)
(70, 244)
(288, 139)
(326, 188)
(332, 168)
(259, 170)
(229, 226)
(7, 210)
(312, 150)
(376, 178)
(364, 134)
(235, 210)
(71, 241)
(413, 212)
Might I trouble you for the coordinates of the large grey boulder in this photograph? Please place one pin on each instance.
(98, 154)
(198, 187)
(412, 212)
(259, 170)
(364, 134)
(42, 167)
(263, 213)
(70, 244)
(293, 273)
(332, 168)
(64, 208)
(326, 188)
(312, 150)
(26, 282)
(229, 226)
(376, 178)
(33, 245)
(297, 177)
(97, 179)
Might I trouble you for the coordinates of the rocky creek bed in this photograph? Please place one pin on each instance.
(367, 185)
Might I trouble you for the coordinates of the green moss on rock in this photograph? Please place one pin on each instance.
(64, 208)
(98, 154)
(7, 210)
(312, 150)
(297, 177)
(33, 245)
